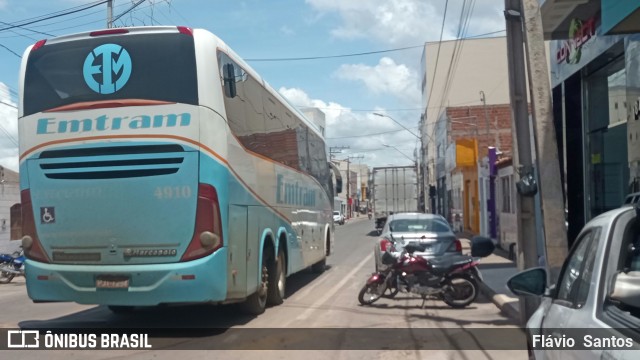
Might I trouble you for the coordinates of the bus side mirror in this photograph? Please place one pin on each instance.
(336, 172)
(229, 81)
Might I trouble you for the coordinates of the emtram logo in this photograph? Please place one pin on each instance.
(107, 68)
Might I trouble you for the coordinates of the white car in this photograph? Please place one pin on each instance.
(338, 218)
(596, 300)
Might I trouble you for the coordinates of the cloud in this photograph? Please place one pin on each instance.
(392, 22)
(386, 78)
(8, 130)
(407, 22)
(363, 132)
(287, 30)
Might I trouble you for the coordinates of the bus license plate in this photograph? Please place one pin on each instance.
(112, 282)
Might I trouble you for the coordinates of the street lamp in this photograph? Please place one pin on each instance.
(394, 120)
(403, 154)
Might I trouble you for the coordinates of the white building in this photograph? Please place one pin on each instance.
(10, 220)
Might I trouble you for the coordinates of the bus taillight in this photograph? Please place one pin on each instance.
(30, 243)
(185, 30)
(109, 32)
(207, 236)
(38, 45)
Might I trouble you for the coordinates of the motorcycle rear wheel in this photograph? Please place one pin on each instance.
(460, 291)
(6, 277)
(371, 293)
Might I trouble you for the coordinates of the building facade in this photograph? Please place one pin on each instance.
(477, 80)
(463, 136)
(355, 187)
(595, 76)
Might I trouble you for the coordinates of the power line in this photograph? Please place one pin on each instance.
(363, 53)
(52, 16)
(177, 12)
(444, 17)
(24, 28)
(66, 20)
(56, 12)
(128, 10)
(365, 135)
(11, 138)
(338, 56)
(463, 25)
(10, 105)
(11, 51)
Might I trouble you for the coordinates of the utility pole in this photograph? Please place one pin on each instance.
(109, 13)
(483, 98)
(551, 193)
(527, 256)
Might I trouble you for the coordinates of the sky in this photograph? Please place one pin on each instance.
(347, 86)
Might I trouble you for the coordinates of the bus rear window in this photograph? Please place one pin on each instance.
(143, 66)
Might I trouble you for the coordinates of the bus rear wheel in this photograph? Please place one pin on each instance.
(277, 280)
(257, 302)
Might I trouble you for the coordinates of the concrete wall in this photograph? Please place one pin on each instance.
(9, 196)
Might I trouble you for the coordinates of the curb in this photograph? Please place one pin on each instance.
(501, 301)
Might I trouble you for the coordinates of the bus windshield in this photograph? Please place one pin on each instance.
(158, 67)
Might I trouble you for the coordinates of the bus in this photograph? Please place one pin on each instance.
(157, 167)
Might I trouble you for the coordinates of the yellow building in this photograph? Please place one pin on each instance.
(466, 160)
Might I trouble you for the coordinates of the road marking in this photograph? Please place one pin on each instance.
(316, 283)
(334, 289)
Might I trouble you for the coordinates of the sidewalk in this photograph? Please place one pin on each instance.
(496, 269)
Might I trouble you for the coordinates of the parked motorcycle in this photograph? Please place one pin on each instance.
(453, 280)
(11, 265)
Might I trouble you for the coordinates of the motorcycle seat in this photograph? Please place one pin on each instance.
(447, 263)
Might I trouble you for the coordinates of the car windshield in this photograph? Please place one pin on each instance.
(418, 225)
(336, 213)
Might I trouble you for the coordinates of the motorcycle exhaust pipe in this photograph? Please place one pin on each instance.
(11, 271)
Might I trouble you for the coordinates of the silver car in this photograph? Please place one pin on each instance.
(596, 300)
(430, 232)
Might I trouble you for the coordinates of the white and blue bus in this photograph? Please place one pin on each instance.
(156, 167)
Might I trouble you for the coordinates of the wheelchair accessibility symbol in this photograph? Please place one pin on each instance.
(48, 215)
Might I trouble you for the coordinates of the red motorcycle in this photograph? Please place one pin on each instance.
(453, 280)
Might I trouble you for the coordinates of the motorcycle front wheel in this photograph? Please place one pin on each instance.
(370, 293)
(460, 291)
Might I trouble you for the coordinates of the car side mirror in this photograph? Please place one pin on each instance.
(531, 282)
(626, 288)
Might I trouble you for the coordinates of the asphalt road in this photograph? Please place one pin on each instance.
(320, 319)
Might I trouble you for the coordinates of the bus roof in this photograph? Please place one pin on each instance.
(174, 29)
